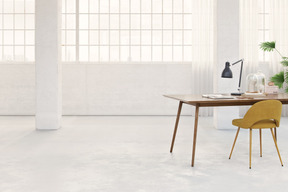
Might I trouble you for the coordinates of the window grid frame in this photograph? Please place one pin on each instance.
(140, 30)
(162, 49)
(13, 58)
(263, 13)
(2, 46)
(129, 57)
(172, 30)
(130, 45)
(119, 59)
(151, 32)
(77, 29)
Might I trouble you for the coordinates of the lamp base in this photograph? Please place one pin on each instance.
(236, 94)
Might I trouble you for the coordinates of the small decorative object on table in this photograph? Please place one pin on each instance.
(255, 84)
(271, 88)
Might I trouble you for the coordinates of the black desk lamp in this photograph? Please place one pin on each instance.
(227, 73)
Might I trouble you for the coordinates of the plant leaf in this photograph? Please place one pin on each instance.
(285, 58)
(268, 46)
(286, 90)
(278, 79)
(284, 63)
(286, 79)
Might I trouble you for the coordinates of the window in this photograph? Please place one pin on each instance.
(17, 30)
(264, 13)
(127, 30)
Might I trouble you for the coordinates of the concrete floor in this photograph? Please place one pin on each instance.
(131, 154)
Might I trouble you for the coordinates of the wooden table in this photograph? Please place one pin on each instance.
(198, 101)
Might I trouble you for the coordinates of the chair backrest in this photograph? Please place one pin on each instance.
(268, 109)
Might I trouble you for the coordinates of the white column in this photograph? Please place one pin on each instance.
(227, 50)
(48, 64)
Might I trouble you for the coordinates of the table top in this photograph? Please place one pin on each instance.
(242, 100)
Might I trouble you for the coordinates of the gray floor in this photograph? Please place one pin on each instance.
(131, 154)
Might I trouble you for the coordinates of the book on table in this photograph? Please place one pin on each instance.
(218, 96)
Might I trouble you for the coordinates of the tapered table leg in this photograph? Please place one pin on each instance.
(195, 134)
(176, 125)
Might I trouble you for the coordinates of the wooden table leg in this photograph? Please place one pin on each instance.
(195, 133)
(176, 125)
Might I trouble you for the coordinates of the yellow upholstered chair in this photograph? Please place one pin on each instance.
(264, 114)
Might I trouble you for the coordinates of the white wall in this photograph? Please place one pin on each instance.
(227, 44)
(123, 89)
(227, 50)
(109, 89)
(17, 89)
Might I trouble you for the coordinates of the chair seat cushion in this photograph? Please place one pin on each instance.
(267, 123)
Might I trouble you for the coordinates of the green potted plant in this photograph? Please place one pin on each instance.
(281, 77)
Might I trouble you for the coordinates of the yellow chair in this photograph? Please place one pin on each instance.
(264, 114)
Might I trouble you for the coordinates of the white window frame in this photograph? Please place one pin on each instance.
(264, 57)
(13, 30)
(152, 46)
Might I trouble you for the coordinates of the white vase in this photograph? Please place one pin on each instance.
(255, 83)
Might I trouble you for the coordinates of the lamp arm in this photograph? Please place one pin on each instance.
(238, 61)
(241, 60)
(240, 76)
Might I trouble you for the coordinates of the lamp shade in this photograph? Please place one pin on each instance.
(227, 73)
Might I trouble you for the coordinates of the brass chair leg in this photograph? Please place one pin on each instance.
(276, 146)
(275, 133)
(260, 134)
(234, 142)
(250, 148)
